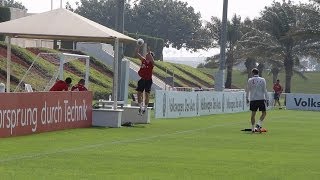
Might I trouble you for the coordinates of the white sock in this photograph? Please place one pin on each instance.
(140, 105)
(260, 123)
(252, 128)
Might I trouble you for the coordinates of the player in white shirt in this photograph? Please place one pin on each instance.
(257, 95)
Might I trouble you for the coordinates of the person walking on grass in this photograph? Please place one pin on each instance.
(257, 96)
(145, 82)
(277, 88)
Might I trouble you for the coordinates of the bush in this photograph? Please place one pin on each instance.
(156, 45)
(5, 15)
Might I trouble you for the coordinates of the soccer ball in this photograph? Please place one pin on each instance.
(140, 42)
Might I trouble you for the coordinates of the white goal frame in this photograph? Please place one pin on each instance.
(62, 61)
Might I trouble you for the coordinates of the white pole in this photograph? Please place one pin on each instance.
(60, 3)
(115, 73)
(51, 4)
(219, 80)
(8, 62)
(87, 72)
(61, 67)
(2, 2)
(172, 78)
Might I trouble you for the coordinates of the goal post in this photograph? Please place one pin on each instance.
(47, 68)
(67, 57)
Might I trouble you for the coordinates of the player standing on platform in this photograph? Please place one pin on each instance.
(257, 96)
(145, 82)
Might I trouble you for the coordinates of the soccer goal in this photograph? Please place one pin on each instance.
(47, 68)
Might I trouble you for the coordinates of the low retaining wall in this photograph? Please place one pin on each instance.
(174, 104)
(35, 112)
(299, 101)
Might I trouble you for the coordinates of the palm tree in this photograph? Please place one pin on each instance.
(233, 36)
(278, 35)
(276, 67)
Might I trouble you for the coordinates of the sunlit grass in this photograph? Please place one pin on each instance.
(207, 147)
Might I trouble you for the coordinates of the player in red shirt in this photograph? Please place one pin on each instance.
(80, 86)
(277, 88)
(61, 85)
(145, 82)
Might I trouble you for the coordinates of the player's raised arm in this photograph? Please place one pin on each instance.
(151, 57)
(138, 55)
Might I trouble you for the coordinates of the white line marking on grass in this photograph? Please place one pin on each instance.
(37, 155)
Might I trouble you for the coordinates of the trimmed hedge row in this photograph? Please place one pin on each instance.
(156, 45)
(5, 15)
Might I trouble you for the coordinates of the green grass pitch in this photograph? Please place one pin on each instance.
(207, 147)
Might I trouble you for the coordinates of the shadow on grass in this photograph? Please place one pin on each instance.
(132, 126)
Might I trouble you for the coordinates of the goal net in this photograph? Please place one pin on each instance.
(47, 68)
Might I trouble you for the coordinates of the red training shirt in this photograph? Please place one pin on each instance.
(59, 86)
(277, 88)
(145, 71)
(79, 87)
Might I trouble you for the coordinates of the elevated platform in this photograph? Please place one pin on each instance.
(107, 117)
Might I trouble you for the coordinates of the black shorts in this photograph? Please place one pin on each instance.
(276, 96)
(258, 104)
(144, 85)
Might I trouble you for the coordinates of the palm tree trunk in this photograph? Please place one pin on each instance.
(250, 64)
(274, 77)
(260, 68)
(275, 72)
(288, 81)
(229, 71)
(288, 64)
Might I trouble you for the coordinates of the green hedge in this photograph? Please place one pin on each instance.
(5, 15)
(156, 45)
